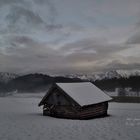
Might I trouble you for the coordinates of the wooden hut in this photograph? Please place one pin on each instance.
(75, 101)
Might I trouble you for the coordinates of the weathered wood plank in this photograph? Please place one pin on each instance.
(72, 112)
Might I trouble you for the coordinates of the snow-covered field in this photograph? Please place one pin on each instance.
(21, 119)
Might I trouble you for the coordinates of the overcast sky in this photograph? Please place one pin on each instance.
(69, 36)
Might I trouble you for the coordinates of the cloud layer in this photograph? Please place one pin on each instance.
(62, 36)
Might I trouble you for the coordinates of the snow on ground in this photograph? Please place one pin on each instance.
(21, 119)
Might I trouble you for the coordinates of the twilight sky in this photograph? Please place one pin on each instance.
(69, 36)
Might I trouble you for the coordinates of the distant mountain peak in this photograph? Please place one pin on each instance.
(6, 76)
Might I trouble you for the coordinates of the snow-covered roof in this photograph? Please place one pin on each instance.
(84, 93)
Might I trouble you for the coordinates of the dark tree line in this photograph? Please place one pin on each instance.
(111, 84)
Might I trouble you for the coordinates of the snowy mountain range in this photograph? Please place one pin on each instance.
(6, 77)
(106, 75)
